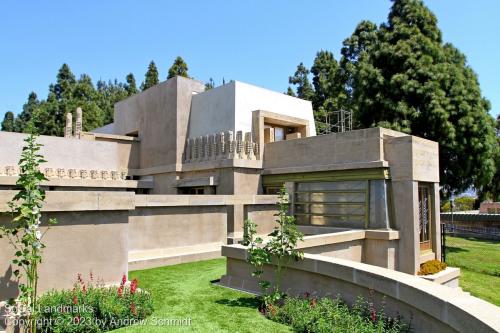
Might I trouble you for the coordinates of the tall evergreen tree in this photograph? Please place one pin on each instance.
(210, 84)
(301, 80)
(29, 108)
(151, 78)
(290, 92)
(131, 86)
(8, 122)
(178, 68)
(403, 77)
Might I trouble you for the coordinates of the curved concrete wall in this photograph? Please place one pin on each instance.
(430, 306)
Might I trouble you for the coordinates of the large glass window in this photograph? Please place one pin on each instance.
(279, 134)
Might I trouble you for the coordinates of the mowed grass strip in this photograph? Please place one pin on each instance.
(186, 291)
(479, 261)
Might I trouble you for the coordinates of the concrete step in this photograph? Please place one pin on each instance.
(145, 259)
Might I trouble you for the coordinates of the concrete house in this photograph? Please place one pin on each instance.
(176, 174)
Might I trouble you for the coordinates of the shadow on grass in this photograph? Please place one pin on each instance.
(451, 249)
(242, 302)
(475, 239)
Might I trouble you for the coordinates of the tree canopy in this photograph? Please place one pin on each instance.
(48, 116)
(151, 78)
(401, 75)
(178, 68)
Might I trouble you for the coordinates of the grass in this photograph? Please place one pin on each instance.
(185, 291)
(479, 262)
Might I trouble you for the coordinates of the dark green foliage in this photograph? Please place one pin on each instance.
(462, 203)
(309, 314)
(403, 77)
(8, 122)
(400, 75)
(210, 84)
(178, 68)
(91, 307)
(131, 86)
(300, 79)
(151, 78)
(290, 92)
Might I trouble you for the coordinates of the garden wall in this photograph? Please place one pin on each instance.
(429, 306)
(109, 233)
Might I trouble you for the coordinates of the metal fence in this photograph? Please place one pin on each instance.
(449, 230)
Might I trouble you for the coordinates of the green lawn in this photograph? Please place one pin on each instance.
(479, 261)
(185, 291)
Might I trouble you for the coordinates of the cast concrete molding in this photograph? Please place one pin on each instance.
(434, 307)
(60, 201)
(327, 167)
(203, 200)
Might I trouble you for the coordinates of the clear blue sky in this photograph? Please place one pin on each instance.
(258, 42)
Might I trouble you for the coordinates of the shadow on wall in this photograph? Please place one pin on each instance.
(8, 284)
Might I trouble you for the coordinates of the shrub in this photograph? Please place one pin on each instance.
(333, 315)
(92, 307)
(432, 267)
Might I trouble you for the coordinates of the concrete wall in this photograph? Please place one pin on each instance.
(229, 107)
(213, 111)
(359, 146)
(168, 227)
(91, 236)
(160, 114)
(107, 232)
(70, 153)
(430, 306)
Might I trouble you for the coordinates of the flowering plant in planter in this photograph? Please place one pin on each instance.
(93, 307)
(24, 232)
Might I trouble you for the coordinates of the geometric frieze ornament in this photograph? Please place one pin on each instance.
(72, 173)
(84, 174)
(221, 145)
(10, 170)
(61, 173)
(94, 174)
(49, 172)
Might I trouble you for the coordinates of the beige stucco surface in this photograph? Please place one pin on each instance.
(81, 242)
(70, 153)
(430, 307)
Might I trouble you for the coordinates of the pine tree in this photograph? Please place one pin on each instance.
(210, 84)
(301, 80)
(131, 87)
(290, 92)
(8, 122)
(29, 108)
(178, 68)
(403, 77)
(151, 78)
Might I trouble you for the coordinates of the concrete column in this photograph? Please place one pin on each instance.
(213, 147)
(68, 129)
(249, 146)
(436, 222)
(79, 123)
(240, 152)
(206, 147)
(230, 148)
(405, 198)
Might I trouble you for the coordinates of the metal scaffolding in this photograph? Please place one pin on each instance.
(336, 122)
